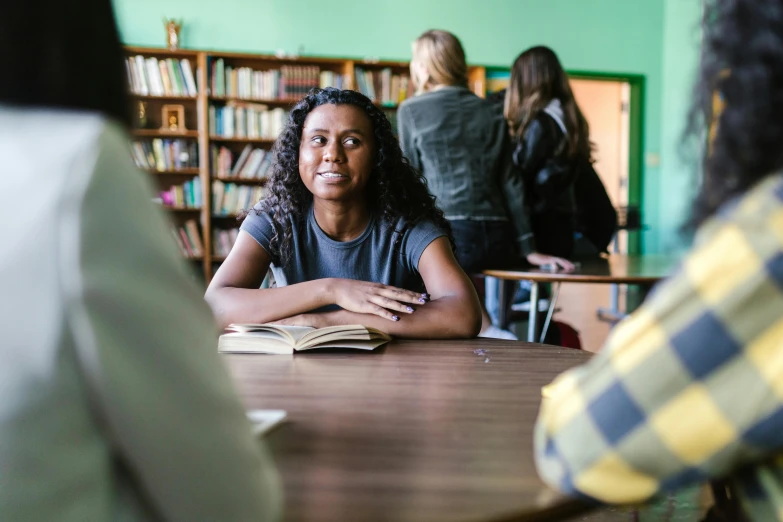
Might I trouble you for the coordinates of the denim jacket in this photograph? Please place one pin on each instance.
(460, 143)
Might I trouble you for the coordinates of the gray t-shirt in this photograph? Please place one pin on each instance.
(373, 256)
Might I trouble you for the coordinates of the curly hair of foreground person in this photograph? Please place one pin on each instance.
(742, 63)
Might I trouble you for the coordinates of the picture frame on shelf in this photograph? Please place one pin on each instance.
(173, 118)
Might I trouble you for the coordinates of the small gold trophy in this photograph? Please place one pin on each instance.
(172, 33)
(141, 115)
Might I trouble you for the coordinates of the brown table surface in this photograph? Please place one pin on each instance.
(417, 430)
(616, 268)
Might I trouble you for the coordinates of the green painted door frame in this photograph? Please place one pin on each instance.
(635, 145)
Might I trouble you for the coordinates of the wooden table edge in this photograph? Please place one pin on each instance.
(565, 277)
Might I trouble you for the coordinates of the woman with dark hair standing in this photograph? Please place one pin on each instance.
(460, 143)
(552, 150)
(350, 232)
(115, 403)
(688, 388)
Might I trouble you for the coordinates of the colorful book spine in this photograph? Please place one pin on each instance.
(148, 76)
(229, 199)
(165, 154)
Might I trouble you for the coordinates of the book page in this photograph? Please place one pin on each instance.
(350, 331)
(292, 333)
(338, 337)
(254, 342)
(364, 344)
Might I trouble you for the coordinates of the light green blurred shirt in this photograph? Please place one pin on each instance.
(115, 404)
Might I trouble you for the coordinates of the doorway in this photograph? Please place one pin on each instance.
(606, 105)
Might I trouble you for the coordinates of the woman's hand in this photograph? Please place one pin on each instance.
(374, 298)
(542, 259)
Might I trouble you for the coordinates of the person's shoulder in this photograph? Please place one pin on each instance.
(764, 200)
(260, 213)
(412, 227)
(753, 214)
(79, 122)
(436, 97)
(415, 103)
(265, 216)
(542, 125)
(60, 132)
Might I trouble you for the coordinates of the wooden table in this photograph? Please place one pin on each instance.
(417, 430)
(613, 269)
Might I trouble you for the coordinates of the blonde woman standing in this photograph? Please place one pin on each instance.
(460, 143)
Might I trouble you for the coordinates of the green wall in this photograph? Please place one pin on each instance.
(619, 36)
(678, 167)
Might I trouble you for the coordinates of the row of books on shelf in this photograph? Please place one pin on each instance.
(223, 241)
(229, 199)
(383, 87)
(246, 120)
(165, 77)
(187, 195)
(252, 163)
(288, 82)
(188, 238)
(162, 155)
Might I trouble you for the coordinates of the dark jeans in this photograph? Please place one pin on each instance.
(484, 244)
(554, 233)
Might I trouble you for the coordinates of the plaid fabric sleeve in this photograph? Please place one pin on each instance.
(687, 388)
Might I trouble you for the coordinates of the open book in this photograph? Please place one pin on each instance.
(275, 338)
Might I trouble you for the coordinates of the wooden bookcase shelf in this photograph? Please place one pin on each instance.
(261, 101)
(260, 141)
(164, 97)
(240, 181)
(303, 69)
(181, 210)
(162, 133)
(178, 172)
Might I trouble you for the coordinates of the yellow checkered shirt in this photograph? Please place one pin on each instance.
(689, 388)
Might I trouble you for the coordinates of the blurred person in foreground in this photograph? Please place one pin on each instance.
(115, 403)
(689, 389)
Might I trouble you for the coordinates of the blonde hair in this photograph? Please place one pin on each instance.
(443, 57)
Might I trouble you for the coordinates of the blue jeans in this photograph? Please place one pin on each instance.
(482, 245)
(492, 297)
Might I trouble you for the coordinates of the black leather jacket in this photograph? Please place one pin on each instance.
(548, 175)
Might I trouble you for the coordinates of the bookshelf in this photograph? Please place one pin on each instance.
(234, 105)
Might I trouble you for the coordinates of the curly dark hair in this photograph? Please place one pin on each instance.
(395, 189)
(742, 62)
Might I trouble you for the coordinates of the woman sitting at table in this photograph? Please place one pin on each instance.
(350, 232)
